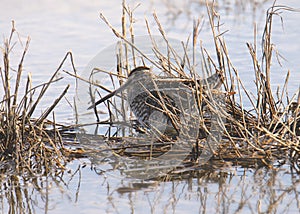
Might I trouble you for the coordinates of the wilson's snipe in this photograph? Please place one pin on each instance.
(149, 101)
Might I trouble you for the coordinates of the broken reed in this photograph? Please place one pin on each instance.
(28, 146)
(269, 131)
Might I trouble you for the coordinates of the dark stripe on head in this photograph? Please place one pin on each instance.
(140, 68)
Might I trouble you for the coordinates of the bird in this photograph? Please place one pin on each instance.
(153, 107)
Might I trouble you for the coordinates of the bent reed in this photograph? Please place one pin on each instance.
(267, 134)
(262, 136)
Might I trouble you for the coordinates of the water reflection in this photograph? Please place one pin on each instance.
(28, 195)
(215, 191)
(217, 187)
(188, 10)
(99, 187)
(102, 187)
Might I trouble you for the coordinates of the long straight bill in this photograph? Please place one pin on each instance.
(103, 99)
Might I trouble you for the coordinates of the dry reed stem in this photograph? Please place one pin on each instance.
(245, 134)
(27, 142)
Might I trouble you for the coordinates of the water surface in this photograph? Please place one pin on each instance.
(56, 27)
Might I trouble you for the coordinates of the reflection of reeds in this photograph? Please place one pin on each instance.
(267, 132)
(31, 146)
(184, 10)
(34, 194)
(32, 154)
(211, 190)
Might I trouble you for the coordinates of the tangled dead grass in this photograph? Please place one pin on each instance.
(268, 132)
(28, 146)
(263, 135)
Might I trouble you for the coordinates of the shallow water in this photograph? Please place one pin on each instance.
(56, 27)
